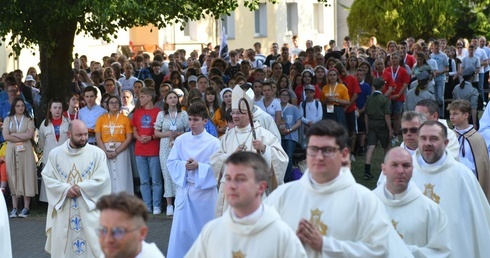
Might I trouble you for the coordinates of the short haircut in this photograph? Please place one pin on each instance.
(437, 123)
(410, 115)
(138, 58)
(198, 109)
(148, 91)
(461, 105)
(156, 63)
(124, 202)
(90, 88)
(430, 104)
(329, 128)
(250, 159)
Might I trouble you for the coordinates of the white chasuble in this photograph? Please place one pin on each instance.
(71, 222)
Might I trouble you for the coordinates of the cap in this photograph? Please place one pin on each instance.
(29, 78)
(192, 78)
(309, 87)
(426, 68)
(378, 83)
(468, 71)
(179, 92)
(423, 76)
(238, 93)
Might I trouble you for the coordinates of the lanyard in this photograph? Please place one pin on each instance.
(330, 88)
(174, 121)
(405, 59)
(69, 117)
(396, 74)
(287, 105)
(112, 126)
(17, 124)
(377, 74)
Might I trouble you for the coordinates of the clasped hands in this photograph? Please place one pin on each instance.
(73, 192)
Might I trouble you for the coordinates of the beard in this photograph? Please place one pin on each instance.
(78, 145)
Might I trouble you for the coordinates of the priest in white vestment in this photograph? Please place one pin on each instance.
(5, 243)
(419, 221)
(333, 215)
(455, 188)
(241, 138)
(430, 109)
(248, 228)
(75, 176)
(189, 166)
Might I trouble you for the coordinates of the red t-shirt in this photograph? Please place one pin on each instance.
(400, 76)
(143, 122)
(352, 85)
(56, 124)
(409, 60)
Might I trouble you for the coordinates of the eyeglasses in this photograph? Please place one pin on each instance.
(412, 130)
(116, 232)
(326, 151)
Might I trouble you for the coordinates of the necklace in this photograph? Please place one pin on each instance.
(241, 146)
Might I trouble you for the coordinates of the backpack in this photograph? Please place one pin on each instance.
(303, 105)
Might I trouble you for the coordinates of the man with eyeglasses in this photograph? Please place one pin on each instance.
(242, 138)
(251, 228)
(455, 189)
(410, 124)
(332, 214)
(419, 221)
(122, 227)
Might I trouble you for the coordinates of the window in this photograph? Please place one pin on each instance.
(292, 18)
(229, 24)
(318, 23)
(260, 16)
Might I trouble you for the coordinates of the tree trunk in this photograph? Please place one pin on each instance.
(56, 60)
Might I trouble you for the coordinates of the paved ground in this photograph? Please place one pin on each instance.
(28, 236)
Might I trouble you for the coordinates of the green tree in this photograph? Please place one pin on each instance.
(399, 19)
(52, 25)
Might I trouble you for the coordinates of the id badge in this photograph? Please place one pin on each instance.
(330, 109)
(19, 147)
(173, 128)
(111, 146)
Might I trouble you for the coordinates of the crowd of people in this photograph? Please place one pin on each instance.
(214, 136)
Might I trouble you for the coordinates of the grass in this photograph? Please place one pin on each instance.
(357, 168)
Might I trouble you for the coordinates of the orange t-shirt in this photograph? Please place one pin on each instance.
(339, 91)
(121, 126)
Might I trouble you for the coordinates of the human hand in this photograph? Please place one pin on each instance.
(258, 145)
(310, 235)
(191, 164)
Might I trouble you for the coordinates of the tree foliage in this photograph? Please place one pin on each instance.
(399, 19)
(52, 25)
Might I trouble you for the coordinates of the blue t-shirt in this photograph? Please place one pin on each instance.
(362, 96)
(291, 115)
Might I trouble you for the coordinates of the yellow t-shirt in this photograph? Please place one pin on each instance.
(339, 91)
(121, 126)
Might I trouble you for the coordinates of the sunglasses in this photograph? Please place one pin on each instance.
(412, 130)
